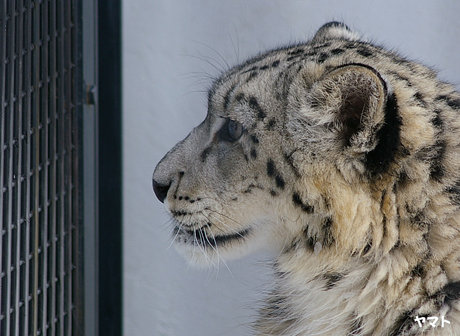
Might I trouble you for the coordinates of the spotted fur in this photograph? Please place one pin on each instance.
(345, 158)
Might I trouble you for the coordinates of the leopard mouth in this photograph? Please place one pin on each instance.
(201, 236)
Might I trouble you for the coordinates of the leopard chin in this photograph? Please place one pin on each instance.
(203, 249)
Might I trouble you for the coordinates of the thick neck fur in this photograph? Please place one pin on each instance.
(374, 288)
(313, 297)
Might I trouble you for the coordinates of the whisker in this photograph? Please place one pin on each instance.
(237, 48)
(203, 247)
(225, 216)
(205, 59)
(175, 236)
(218, 54)
(216, 248)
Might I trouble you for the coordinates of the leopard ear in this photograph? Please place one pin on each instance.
(334, 30)
(354, 106)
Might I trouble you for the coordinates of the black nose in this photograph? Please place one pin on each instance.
(161, 190)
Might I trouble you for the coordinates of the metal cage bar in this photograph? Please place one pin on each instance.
(40, 167)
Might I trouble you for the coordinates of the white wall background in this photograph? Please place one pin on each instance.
(171, 47)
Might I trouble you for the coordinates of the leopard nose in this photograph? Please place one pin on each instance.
(161, 190)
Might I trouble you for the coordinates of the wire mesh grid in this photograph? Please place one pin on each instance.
(39, 125)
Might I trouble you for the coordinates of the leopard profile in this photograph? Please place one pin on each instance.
(345, 158)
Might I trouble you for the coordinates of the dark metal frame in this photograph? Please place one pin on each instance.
(60, 168)
(110, 165)
(40, 168)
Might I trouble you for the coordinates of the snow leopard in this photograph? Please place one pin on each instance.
(343, 157)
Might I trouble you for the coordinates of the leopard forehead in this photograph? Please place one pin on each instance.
(269, 76)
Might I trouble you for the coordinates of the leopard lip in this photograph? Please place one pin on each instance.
(202, 238)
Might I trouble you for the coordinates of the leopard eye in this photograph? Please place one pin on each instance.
(235, 129)
(231, 131)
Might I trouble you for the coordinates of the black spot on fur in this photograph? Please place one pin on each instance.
(314, 103)
(321, 46)
(271, 124)
(337, 51)
(254, 139)
(273, 192)
(279, 181)
(271, 170)
(252, 76)
(454, 103)
(452, 291)
(351, 45)
(227, 96)
(402, 61)
(204, 154)
(401, 78)
(418, 271)
(181, 213)
(265, 67)
(292, 58)
(239, 97)
(253, 153)
(439, 298)
(254, 68)
(255, 106)
(332, 279)
(322, 57)
(275, 63)
(289, 161)
(419, 220)
(296, 52)
(310, 54)
(284, 80)
(437, 120)
(292, 246)
(298, 202)
(454, 193)
(367, 248)
(397, 245)
(403, 178)
(450, 101)
(403, 323)
(328, 238)
(364, 52)
(277, 306)
(388, 136)
(309, 242)
(418, 97)
(384, 224)
(437, 168)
